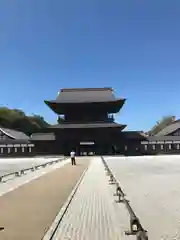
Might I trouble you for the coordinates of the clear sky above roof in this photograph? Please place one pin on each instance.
(132, 46)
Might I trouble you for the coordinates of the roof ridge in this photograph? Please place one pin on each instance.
(178, 120)
(86, 89)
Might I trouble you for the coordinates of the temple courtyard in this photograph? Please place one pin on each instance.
(64, 202)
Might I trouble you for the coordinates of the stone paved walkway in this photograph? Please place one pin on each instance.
(92, 212)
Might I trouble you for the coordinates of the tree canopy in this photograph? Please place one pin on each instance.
(16, 119)
(161, 124)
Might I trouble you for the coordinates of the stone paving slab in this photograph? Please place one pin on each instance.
(92, 212)
(28, 211)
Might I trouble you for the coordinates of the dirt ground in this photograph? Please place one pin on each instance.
(28, 212)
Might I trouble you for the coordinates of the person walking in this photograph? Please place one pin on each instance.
(73, 160)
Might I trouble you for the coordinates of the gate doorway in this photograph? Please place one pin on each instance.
(87, 149)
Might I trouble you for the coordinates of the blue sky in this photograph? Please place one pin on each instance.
(131, 45)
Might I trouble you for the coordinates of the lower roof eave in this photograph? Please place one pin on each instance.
(14, 141)
(163, 138)
(87, 126)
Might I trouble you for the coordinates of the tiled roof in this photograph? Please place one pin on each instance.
(134, 135)
(169, 129)
(14, 134)
(85, 95)
(163, 138)
(88, 125)
(43, 136)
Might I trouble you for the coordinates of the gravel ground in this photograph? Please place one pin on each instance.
(152, 186)
(28, 211)
(8, 165)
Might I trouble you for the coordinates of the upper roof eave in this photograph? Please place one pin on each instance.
(117, 100)
(61, 107)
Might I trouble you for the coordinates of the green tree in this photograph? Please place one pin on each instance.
(17, 119)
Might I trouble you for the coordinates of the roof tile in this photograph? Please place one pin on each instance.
(14, 134)
(169, 129)
(86, 95)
